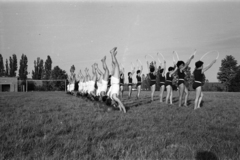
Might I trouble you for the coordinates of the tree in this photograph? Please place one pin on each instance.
(7, 68)
(1, 66)
(38, 69)
(47, 72)
(47, 68)
(13, 65)
(23, 68)
(58, 74)
(10, 66)
(235, 82)
(227, 71)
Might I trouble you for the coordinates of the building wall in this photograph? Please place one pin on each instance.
(13, 81)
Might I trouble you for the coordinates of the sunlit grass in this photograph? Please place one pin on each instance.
(54, 125)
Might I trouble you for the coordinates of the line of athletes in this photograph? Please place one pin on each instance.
(103, 87)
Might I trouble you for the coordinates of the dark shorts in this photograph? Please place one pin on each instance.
(196, 85)
(121, 84)
(168, 83)
(130, 84)
(139, 84)
(180, 82)
(152, 83)
(161, 84)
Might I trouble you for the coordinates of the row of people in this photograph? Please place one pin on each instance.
(97, 86)
(116, 81)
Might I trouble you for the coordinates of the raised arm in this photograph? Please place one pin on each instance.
(164, 69)
(175, 69)
(133, 71)
(155, 66)
(148, 67)
(209, 66)
(141, 70)
(122, 71)
(188, 62)
(161, 65)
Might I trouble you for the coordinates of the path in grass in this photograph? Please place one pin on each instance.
(54, 125)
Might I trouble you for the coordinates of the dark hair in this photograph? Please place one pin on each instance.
(179, 63)
(138, 71)
(121, 74)
(104, 98)
(161, 70)
(198, 64)
(170, 69)
(129, 73)
(152, 68)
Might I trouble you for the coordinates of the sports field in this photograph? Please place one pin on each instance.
(55, 125)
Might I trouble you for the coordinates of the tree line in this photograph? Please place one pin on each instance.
(42, 71)
(228, 75)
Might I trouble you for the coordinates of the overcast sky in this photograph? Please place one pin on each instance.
(82, 32)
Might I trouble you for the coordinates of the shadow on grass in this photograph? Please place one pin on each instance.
(205, 155)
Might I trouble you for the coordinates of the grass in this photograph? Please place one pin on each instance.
(54, 125)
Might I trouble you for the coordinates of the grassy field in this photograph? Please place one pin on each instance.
(54, 125)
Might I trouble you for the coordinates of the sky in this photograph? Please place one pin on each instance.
(80, 33)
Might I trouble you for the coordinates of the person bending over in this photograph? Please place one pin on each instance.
(114, 89)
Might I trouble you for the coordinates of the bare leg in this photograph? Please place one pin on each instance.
(186, 96)
(116, 69)
(99, 72)
(121, 90)
(112, 51)
(106, 73)
(139, 91)
(117, 75)
(198, 93)
(171, 95)
(161, 93)
(120, 105)
(168, 93)
(153, 91)
(200, 99)
(94, 77)
(181, 90)
(129, 91)
(103, 62)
